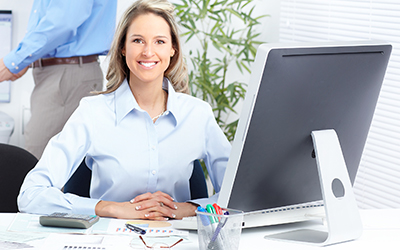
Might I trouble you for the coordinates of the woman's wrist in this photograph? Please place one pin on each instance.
(105, 209)
(186, 209)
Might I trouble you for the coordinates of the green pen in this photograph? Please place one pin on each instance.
(211, 210)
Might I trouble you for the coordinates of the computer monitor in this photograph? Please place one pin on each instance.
(294, 89)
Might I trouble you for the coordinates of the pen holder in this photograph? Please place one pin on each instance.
(219, 232)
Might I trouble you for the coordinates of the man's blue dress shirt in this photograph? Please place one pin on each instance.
(60, 28)
(129, 154)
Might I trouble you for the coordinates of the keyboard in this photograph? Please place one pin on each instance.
(187, 223)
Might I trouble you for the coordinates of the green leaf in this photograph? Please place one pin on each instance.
(224, 48)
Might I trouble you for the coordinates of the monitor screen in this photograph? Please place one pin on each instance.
(294, 90)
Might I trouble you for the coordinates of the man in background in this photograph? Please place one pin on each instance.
(62, 45)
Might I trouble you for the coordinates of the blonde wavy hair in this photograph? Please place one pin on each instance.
(118, 69)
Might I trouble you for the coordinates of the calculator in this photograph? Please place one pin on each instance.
(68, 220)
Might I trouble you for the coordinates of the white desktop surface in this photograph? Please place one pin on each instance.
(381, 231)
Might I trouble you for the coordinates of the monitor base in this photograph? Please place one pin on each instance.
(342, 217)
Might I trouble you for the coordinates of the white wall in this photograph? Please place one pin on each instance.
(21, 89)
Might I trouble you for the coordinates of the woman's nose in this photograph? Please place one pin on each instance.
(148, 50)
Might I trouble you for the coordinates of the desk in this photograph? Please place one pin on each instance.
(381, 231)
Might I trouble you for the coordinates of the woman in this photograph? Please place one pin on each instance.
(140, 136)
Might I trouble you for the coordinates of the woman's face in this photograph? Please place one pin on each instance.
(148, 49)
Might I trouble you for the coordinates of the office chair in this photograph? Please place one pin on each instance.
(15, 163)
(198, 185)
(79, 183)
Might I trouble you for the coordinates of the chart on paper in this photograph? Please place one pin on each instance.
(154, 228)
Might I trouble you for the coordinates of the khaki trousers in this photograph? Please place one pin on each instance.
(57, 92)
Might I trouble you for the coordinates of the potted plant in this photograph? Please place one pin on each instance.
(225, 33)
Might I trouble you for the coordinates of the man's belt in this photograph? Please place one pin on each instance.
(43, 62)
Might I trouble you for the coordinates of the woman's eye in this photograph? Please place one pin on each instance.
(137, 41)
(160, 42)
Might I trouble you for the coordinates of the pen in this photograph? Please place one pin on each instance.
(211, 210)
(216, 239)
(203, 218)
(218, 211)
(211, 244)
(135, 229)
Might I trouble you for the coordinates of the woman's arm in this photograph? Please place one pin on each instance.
(41, 190)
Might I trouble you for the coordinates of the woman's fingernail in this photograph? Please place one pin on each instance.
(146, 215)
(175, 207)
(138, 207)
(173, 215)
(132, 201)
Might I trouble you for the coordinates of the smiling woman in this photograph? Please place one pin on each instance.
(177, 69)
(148, 49)
(138, 136)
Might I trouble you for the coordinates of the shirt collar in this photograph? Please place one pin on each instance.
(172, 103)
(125, 102)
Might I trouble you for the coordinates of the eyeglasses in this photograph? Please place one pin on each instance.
(158, 245)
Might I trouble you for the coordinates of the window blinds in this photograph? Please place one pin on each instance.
(377, 183)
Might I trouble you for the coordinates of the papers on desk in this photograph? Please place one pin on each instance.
(13, 245)
(106, 234)
(152, 228)
(30, 223)
(92, 242)
(19, 237)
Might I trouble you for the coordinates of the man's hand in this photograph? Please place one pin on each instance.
(5, 73)
(19, 74)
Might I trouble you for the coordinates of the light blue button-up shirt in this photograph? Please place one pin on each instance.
(129, 154)
(60, 28)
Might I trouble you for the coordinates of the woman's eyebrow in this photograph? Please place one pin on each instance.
(136, 35)
(156, 37)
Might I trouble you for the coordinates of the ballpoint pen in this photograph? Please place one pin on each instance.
(221, 224)
(135, 229)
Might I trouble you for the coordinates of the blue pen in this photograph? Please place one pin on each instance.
(204, 219)
(135, 229)
(221, 224)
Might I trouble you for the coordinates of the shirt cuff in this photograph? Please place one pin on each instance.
(10, 63)
(204, 201)
(84, 205)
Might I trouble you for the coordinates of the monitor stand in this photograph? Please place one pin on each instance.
(341, 211)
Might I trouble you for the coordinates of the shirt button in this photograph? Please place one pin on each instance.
(153, 172)
(34, 11)
(13, 64)
(17, 67)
